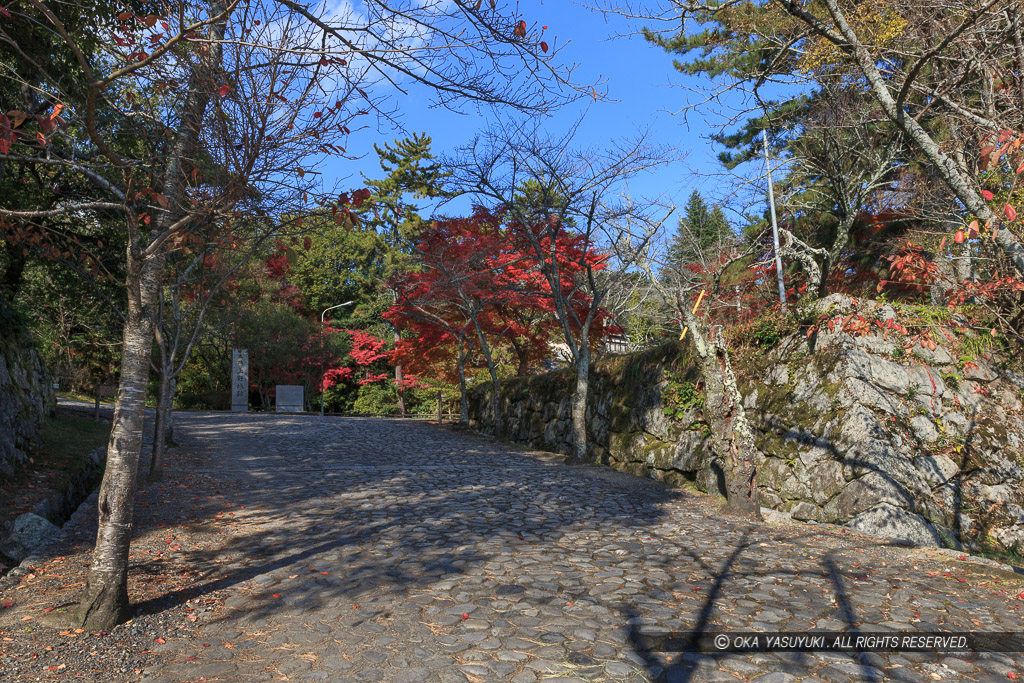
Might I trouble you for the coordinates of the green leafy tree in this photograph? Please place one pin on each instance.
(282, 345)
(341, 263)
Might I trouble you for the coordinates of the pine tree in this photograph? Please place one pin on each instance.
(701, 229)
(410, 169)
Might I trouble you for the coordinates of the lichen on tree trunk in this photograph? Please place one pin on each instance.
(732, 439)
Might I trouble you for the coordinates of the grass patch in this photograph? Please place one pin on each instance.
(65, 443)
(71, 436)
(87, 398)
(1013, 556)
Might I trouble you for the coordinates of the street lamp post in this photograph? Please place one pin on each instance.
(775, 223)
(330, 308)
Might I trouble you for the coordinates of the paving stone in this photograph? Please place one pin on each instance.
(475, 669)
(775, 677)
(503, 669)
(510, 656)
(900, 673)
(545, 665)
(720, 677)
(833, 675)
(221, 670)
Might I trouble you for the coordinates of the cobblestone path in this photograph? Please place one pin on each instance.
(387, 550)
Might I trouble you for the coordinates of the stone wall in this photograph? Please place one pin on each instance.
(919, 446)
(26, 393)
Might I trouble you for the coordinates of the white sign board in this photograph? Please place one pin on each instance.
(289, 398)
(239, 380)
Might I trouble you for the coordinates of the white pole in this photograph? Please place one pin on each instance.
(775, 224)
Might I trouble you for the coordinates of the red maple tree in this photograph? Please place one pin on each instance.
(479, 288)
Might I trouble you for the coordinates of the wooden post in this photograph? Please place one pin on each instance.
(439, 406)
(96, 416)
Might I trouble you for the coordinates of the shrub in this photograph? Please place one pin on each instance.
(766, 330)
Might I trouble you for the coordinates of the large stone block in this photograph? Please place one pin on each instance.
(936, 469)
(825, 480)
(804, 511)
(861, 424)
(889, 521)
(794, 489)
(924, 428)
(774, 473)
(926, 381)
(869, 394)
(980, 371)
(865, 493)
(878, 371)
(868, 451)
(940, 356)
(30, 532)
(690, 453)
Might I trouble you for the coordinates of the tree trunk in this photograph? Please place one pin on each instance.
(522, 354)
(579, 404)
(832, 255)
(938, 288)
(105, 602)
(398, 380)
(807, 257)
(485, 348)
(463, 398)
(169, 419)
(160, 426)
(732, 439)
(963, 265)
(499, 429)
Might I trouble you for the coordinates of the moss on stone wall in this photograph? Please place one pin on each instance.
(26, 393)
(848, 433)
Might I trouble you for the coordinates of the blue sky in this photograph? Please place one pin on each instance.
(643, 92)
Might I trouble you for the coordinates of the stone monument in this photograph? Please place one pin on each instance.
(239, 380)
(289, 398)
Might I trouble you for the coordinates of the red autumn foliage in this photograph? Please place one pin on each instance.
(480, 267)
(366, 348)
(334, 376)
